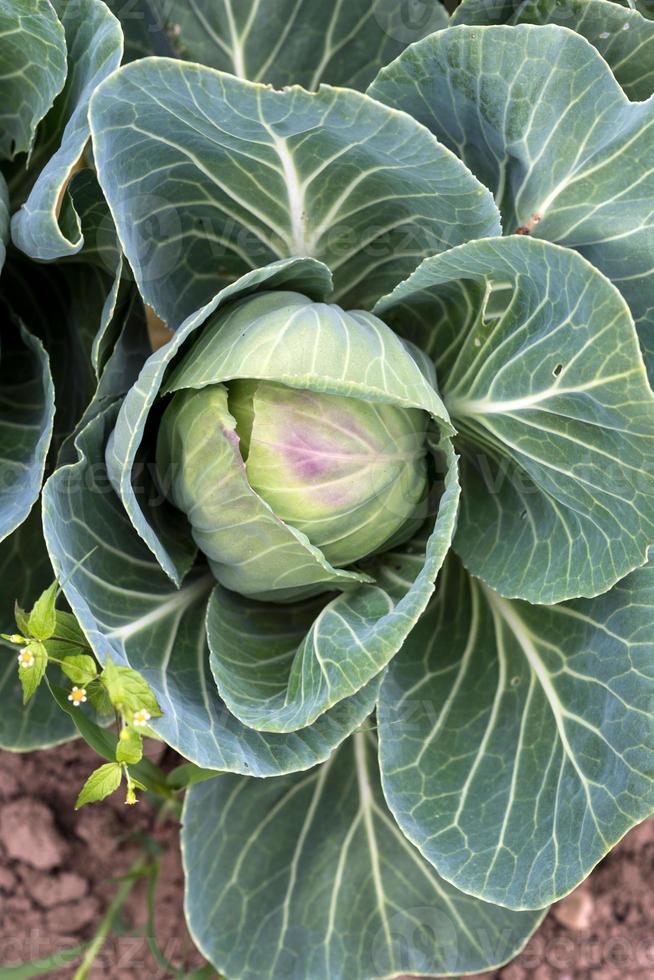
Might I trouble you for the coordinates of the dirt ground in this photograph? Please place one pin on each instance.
(605, 929)
(58, 869)
(57, 866)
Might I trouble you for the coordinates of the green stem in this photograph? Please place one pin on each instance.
(109, 917)
(73, 643)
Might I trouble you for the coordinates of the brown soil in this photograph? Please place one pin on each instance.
(58, 870)
(605, 929)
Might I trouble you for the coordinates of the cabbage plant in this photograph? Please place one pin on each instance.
(374, 521)
(60, 302)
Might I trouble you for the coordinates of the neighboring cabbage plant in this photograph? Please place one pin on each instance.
(56, 294)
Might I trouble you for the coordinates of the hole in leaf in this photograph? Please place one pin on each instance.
(515, 682)
(556, 370)
(497, 300)
(523, 515)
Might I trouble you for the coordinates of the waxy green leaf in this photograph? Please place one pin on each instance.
(145, 26)
(643, 7)
(61, 305)
(47, 226)
(298, 42)
(221, 176)
(623, 37)
(33, 59)
(313, 870)
(517, 741)
(26, 421)
(540, 369)
(538, 116)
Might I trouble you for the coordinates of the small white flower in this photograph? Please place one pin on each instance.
(26, 658)
(77, 696)
(141, 718)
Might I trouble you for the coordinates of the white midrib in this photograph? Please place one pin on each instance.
(466, 657)
(299, 847)
(237, 48)
(296, 204)
(172, 605)
(366, 801)
(502, 608)
(505, 611)
(462, 407)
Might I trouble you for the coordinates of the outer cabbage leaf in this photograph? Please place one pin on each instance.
(622, 36)
(145, 27)
(47, 226)
(102, 251)
(299, 42)
(45, 308)
(4, 220)
(124, 362)
(541, 372)
(62, 305)
(644, 7)
(517, 741)
(101, 246)
(208, 176)
(537, 115)
(26, 421)
(311, 872)
(33, 59)
(130, 610)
